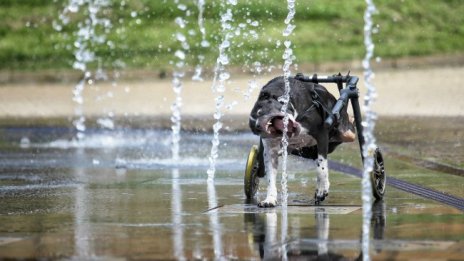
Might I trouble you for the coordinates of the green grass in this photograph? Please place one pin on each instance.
(326, 31)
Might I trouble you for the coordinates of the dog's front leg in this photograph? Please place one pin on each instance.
(323, 184)
(271, 148)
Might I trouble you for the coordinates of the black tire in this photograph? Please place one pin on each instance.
(261, 172)
(251, 180)
(378, 176)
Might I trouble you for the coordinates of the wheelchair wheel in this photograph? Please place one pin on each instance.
(251, 173)
(378, 176)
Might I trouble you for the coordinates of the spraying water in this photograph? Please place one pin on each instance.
(219, 80)
(288, 57)
(368, 124)
(204, 43)
(177, 85)
(87, 37)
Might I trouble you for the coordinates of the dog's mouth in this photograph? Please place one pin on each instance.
(274, 126)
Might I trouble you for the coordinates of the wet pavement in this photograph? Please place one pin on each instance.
(118, 195)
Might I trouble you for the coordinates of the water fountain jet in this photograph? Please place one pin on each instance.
(87, 37)
(204, 43)
(288, 57)
(219, 81)
(369, 146)
(177, 84)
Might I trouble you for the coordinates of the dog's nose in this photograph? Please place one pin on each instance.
(257, 128)
(254, 126)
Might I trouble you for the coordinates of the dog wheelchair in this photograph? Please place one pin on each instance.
(255, 162)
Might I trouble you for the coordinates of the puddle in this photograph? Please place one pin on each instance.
(391, 245)
(291, 209)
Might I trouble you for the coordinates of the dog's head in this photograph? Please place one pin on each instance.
(267, 118)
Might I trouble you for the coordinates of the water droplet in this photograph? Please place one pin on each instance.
(180, 54)
(287, 43)
(180, 37)
(180, 22)
(231, 105)
(224, 76)
(225, 44)
(55, 25)
(205, 43)
(223, 59)
(73, 7)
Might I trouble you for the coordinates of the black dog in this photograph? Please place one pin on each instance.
(307, 110)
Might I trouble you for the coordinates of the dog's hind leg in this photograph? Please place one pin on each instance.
(347, 130)
(271, 161)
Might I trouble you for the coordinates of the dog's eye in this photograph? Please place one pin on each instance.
(264, 96)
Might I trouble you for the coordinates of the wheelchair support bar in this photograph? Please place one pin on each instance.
(335, 116)
(349, 92)
(337, 78)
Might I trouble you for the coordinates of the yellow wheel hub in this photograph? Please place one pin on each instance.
(251, 179)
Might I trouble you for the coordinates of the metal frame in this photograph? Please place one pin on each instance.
(350, 92)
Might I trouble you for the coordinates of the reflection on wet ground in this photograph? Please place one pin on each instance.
(118, 195)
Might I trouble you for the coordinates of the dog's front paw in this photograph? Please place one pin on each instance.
(268, 203)
(319, 196)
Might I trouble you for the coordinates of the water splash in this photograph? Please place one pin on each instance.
(177, 84)
(288, 58)
(219, 80)
(91, 32)
(368, 131)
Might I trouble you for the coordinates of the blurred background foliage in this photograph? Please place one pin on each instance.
(142, 32)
